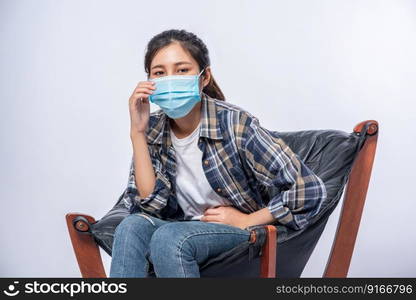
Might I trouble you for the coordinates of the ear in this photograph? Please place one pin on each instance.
(206, 75)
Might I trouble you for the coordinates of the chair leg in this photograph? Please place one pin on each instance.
(268, 259)
(86, 249)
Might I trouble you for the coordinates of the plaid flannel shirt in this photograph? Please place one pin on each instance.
(242, 162)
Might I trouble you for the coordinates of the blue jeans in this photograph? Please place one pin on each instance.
(174, 248)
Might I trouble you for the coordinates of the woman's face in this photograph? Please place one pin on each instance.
(174, 60)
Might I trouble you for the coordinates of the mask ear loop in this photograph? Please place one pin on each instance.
(199, 77)
(201, 72)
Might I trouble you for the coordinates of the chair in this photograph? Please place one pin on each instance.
(340, 159)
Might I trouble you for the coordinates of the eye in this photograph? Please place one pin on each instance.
(157, 73)
(185, 69)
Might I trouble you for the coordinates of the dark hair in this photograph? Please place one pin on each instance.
(196, 48)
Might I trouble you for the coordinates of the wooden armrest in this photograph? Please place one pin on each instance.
(268, 257)
(86, 249)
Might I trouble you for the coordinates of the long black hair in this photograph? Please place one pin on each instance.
(196, 48)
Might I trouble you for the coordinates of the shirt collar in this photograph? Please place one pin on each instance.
(160, 133)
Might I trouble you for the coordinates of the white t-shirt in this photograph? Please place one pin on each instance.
(193, 191)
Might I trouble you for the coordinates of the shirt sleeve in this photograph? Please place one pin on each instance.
(299, 192)
(158, 199)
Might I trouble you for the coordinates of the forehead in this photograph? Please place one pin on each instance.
(171, 54)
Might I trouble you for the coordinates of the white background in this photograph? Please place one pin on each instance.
(69, 67)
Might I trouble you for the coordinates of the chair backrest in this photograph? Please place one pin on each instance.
(338, 158)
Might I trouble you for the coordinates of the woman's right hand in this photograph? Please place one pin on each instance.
(139, 106)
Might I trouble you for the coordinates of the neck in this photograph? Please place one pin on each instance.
(184, 126)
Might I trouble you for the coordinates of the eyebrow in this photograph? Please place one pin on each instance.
(176, 64)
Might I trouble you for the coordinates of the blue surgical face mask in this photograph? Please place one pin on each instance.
(176, 95)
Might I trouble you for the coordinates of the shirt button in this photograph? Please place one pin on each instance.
(219, 190)
(206, 162)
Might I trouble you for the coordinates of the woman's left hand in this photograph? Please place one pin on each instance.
(226, 215)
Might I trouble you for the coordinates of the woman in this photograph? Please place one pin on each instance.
(203, 170)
